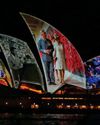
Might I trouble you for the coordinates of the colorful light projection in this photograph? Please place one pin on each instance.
(74, 71)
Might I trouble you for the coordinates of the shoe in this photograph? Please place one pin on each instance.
(52, 83)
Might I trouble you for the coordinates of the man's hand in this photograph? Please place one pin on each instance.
(47, 51)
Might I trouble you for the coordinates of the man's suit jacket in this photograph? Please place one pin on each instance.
(44, 45)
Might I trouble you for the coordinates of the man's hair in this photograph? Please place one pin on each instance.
(43, 31)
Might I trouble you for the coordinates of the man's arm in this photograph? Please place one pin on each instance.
(51, 49)
(40, 46)
(46, 51)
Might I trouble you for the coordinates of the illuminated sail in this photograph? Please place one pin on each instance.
(74, 71)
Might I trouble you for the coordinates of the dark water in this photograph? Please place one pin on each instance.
(49, 119)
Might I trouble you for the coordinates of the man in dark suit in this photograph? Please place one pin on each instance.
(46, 47)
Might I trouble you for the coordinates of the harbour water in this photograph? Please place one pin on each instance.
(49, 119)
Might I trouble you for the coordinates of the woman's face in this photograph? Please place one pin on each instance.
(58, 40)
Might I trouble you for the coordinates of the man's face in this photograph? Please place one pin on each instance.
(43, 35)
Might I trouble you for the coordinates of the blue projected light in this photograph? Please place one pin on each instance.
(93, 73)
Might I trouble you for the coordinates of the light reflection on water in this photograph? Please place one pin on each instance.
(48, 119)
(38, 119)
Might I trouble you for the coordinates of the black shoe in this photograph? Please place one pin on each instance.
(52, 83)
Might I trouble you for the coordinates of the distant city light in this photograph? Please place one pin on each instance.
(34, 106)
(20, 103)
(6, 103)
(83, 107)
(98, 107)
(48, 103)
(29, 97)
(68, 106)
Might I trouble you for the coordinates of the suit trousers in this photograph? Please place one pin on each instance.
(49, 70)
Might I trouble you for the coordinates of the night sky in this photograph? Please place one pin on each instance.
(78, 21)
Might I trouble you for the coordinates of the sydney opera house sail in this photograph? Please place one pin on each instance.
(17, 64)
(60, 60)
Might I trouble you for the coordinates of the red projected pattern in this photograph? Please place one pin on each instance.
(73, 61)
(3, 82)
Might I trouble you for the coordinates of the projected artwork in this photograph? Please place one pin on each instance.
(61, 61)
(17, 63)
(59, 66)
(5, 78)
(93, 73)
